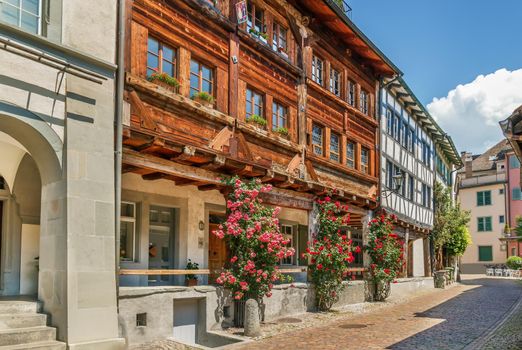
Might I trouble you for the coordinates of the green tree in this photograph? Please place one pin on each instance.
(449, 226)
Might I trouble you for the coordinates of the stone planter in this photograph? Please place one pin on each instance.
(450, 275)
(239, 312)
(381, 290)
(439, 278)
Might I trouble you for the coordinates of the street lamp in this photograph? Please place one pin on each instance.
(397, 182)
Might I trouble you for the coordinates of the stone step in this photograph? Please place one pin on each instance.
(46, 345)
(10, 321)
(19, 307)
(26, 335)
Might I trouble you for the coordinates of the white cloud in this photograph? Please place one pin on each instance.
(470, 113)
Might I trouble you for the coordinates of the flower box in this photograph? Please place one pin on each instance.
(204, 102)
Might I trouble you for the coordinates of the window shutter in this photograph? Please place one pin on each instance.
(489, 226)
(479, 199)
(303, 244)
(487, 199)
(480, 224)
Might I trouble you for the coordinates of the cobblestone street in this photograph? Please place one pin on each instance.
(457, 318)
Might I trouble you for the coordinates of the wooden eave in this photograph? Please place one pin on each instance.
(328, 164)
(340, 102)
(331, 16)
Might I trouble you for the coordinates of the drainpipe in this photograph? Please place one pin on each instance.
(118, 130)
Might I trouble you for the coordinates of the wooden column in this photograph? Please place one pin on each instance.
(268, 111)
(184, 71)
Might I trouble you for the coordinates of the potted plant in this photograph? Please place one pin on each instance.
(204, 98)
(191, 280)
(257, 119)
(263, 37)
(164, 80)
(281, 131)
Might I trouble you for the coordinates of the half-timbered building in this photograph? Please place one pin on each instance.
(415, 153)
(294, 93)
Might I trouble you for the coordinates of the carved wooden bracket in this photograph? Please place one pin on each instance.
(145, 118)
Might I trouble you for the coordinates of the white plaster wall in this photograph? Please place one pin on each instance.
(30, 249)
(418, 258)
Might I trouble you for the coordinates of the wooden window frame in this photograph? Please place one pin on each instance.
(275, 114)
(314, 145)
(252, 14)
(350, 162)
(201, 79)
(316, 77)
(161, 58)
(254, 92)
(364, 103)
(335, 153)
(351, 93)
(276, 34)
(365, 166)
(333, 90)
(133, 220)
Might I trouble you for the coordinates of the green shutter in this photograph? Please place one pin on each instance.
(487, 197)
(303, 244)
(488, 225)
(480, 223)
(480, 199)
(485, 253)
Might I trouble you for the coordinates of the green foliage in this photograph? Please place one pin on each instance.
(450, 220)
(254, 118)
(281, 130)
(458, 241)
(204, 96)
(330, 253)
(514, 262)
(191, 266)
(165, 78)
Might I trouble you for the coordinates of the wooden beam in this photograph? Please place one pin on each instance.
(311, 171)
(157, 164)
(222, 140)
(145, 118)
(153, 176)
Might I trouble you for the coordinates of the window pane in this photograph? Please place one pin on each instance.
(206, 73)
(206, 87)
(257, 99)
(9, 14)
(194, 67)
(152, 61)
(13, 2)
(168, 68)
(32, 6)
(127, 240)
(194, 84)
(168, 53)
(153, 45)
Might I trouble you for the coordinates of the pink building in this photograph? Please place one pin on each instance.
(514, 207)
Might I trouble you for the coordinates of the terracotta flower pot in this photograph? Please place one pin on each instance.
(191, 282)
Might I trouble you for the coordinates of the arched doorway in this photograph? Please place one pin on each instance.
(20, 206)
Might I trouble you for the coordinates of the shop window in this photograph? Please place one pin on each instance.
(317, 140)
(26, 14)
(161, 58)
(201, 78)
(128, 231)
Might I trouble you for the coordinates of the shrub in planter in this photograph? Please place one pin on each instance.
(386, 254)
(329, 253)
(281, 131)
(514, 262)
(257, 119)
(191, 280)
(204, 98)
(164, 80)
(255, 241)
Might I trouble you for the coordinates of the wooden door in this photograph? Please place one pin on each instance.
(217, 253)
(410, 259)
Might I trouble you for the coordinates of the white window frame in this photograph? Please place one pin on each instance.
(21, 10)
(134, 222)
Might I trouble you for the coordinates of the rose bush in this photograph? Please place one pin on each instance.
(255, 242)
(386, 253)
(330, 252)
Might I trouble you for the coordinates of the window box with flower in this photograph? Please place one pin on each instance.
(257, 120)
(191, 280)
(204, 98)
(282, 131)
(164, 80)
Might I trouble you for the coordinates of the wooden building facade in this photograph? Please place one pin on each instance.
(294, 92)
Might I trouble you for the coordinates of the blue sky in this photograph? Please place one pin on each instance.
(440, 44)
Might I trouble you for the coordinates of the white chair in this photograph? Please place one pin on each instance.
(490, 271)
(498, 272)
